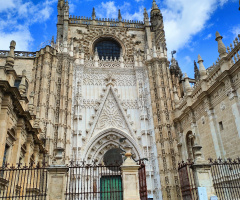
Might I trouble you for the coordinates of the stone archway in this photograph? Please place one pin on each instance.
(106, 140)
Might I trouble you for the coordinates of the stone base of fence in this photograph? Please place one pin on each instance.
(57, 180)
(130, 177)
(203, 178)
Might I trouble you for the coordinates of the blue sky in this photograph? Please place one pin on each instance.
(190, 25)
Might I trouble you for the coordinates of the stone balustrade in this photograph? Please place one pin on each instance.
(108, 63)
(106, 22)
(18, 54)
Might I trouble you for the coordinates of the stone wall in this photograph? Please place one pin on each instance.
(209, 113)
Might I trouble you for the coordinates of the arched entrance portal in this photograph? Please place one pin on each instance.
(106, 140)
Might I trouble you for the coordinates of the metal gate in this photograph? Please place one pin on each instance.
(226, 178)
(142, 181)
(94, 182)
(186, 177)
(27, 182)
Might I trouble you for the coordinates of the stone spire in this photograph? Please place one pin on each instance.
(221, 47)
(146, 17)
(119, 15)
(196, 72)
(202, 69)
(173, 66)
(23, 86)
(67, 5)
(93, 14)
(52, 42)
(178, 71)
(10, 57)
(187, 85)
(60, 3)
(154, 5)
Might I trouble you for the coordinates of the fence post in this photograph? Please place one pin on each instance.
(57, 178)
(202, 172)
(130, 177)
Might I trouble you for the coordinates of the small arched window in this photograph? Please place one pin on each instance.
(108, 48)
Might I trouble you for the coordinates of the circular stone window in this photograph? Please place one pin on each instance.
(113, 157)
(108, 48)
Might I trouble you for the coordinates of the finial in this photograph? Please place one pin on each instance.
(221, 47)
(10, 57)
(119, 15)
(176, 98)
(37, 120)
(93, 14)
(52, 41)
(30, 104)
(202, 69)
(188, 87)
(173, 66)
(23, 86)
(146, 17)
(196, 72)
(154, 5)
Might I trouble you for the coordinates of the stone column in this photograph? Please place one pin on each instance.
(57, 177)
(202, 172)
(4, 121)
(130, 177)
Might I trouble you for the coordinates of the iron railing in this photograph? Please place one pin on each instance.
(94, 182)
(226, 178)
(23, 182)
(187, 181)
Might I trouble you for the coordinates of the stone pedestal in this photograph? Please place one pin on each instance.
(130, 178)
(202, 172)
(203, 178)
(57, 179)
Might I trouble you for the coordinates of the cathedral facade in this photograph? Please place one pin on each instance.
(107, 83)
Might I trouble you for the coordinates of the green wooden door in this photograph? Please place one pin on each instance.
(111, 188)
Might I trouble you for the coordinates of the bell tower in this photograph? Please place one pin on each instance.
(162, 90)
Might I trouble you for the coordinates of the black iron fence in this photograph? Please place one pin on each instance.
(226, 178)
(23, 182)
(84, 181)
(187, 181)
(93, 182)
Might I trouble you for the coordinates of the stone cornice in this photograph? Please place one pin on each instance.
(219, 80)
(16, 97)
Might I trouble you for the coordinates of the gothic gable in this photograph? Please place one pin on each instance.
(110, 115)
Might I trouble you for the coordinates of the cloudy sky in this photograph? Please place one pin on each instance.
(190, 25)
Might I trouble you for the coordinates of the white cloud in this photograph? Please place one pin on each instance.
(107, 10)
(188, 59)
(22, 36)
(208, 37)
(236, 30)
(185, 18)
(5, 5)
(110, 10)
(25, 13)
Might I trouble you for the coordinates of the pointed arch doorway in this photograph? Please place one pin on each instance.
(111, 186)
